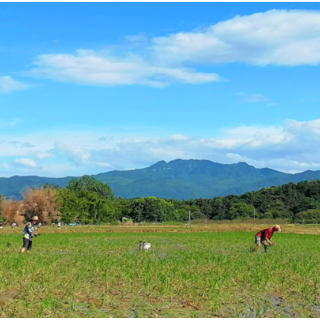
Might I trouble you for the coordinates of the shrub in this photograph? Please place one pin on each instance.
(11, 210)
(41, 202)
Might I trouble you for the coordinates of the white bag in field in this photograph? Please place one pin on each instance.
(144, 245)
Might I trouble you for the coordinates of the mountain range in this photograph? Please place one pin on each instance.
(177, 179)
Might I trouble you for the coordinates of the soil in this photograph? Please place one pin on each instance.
(8, 294)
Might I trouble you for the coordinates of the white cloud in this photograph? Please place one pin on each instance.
(178, 137)
(276, 37)
(42, 155)
(5, 165)
(104, 165)
(101, 69)
(8, 85)
(77, 155)
(29, 163)
(252, 98)
(255, 136)
(289, 147)
(18, 144)
(137, 40)
(302, 128)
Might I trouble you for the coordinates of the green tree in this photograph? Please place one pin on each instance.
(152, 209)
(241, 210)
(218, 210)
(306, 204)
(87, 183)
(88, 206)
(73, 207)
(180, 215)
(277, 209)
(308, 216)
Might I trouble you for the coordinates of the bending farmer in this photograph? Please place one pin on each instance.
(28, 233)
(264, 237)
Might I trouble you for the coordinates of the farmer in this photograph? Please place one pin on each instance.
(264, 237)
(28, 233)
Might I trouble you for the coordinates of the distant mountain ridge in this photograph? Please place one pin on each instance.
(178, 179)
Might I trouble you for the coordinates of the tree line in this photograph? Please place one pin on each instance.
(90, 201)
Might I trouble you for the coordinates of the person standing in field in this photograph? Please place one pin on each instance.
(28, 234)
(59, 225)
(264, 237)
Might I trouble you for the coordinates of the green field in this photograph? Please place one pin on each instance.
(199, 274)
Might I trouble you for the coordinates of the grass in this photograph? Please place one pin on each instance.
(188, 273)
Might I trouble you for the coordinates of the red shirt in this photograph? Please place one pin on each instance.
(265, 234)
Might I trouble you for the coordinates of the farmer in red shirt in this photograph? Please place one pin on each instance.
(264, 237)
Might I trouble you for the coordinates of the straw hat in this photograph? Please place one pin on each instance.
(277, 227)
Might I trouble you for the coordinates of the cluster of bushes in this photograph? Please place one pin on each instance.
(300, 203)
(90, 201)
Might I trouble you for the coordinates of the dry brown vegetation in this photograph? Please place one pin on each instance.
(11, 210)
(41, 202)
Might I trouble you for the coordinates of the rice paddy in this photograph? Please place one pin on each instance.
(99, 272)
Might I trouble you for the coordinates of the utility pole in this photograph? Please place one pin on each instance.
(189, 218)
(254, 214)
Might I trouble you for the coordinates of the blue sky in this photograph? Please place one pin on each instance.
(91, 87)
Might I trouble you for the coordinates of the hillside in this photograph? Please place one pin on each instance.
(179, 179)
